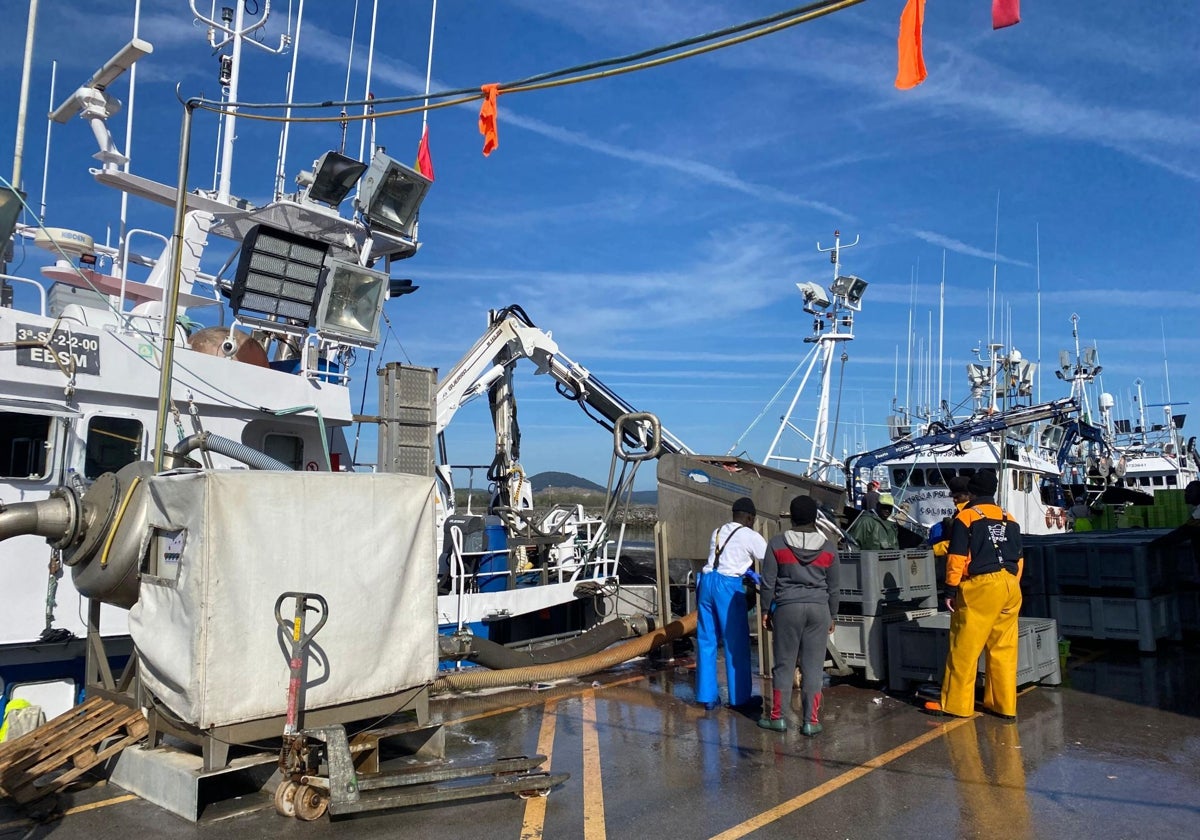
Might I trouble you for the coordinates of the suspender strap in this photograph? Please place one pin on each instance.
(720, 548)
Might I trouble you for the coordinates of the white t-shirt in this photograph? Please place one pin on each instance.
(740, 547)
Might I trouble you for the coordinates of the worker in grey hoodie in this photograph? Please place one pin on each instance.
(799, 597)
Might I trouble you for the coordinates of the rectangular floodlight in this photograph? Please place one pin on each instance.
(278, 276)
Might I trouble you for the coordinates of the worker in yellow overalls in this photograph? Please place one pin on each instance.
(983, 580)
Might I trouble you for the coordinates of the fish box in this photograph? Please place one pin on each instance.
(1099, 617)
(862, 640)
(1111, 564)
(877, 579)
(917, 651)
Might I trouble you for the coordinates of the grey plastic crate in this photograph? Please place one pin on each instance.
(877, 579)
(917, 651)
(1142, 682)
(1033, 574)
(862, 640)
(1127, 564)
(1189, 610)
(1102, 617)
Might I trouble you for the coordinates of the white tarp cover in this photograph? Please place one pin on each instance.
(208, 644)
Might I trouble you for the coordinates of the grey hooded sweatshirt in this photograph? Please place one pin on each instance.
(800, 567)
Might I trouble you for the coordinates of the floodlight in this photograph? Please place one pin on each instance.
(1089, 356)
(849, 287)
(978, 375)
(351, 302)
(1064, 361)
(391, 194)
(278, 275)
(814, 296)
(332, 178)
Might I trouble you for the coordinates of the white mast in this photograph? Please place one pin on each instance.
(941, 330)
(233, 25)
(49, 127)
(833, 324)
(281, 163)
(362, 137)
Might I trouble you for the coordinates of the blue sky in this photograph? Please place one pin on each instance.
(657, 222)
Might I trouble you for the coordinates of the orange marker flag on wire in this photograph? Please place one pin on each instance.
(911, 71)
(424, 161)
(487, 119)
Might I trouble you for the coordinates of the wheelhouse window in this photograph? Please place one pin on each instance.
(112, 442)
(23, 442)
(286, 448)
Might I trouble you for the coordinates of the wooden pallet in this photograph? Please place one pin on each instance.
(52, 756)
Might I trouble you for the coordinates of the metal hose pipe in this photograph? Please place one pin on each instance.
(52, 518)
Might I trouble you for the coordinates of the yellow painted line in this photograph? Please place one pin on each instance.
(535, 808)
(808, 797)
(593, 784)
(116, 800)
(1083, 659)
(78, 809)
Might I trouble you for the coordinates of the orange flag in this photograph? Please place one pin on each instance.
(487, 119)
(424, 161)
(912, 63)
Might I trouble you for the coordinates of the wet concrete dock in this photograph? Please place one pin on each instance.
(1112, 753)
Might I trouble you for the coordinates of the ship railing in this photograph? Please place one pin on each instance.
(41, 290)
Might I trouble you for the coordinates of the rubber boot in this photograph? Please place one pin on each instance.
(773, 718)
(812, 715)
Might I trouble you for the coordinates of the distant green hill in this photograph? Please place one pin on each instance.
(556, 481)
(562, 481)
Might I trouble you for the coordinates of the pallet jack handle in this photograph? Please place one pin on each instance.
(294, 627)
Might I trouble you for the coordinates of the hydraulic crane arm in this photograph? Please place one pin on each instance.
(512, 336)
(1057, 410)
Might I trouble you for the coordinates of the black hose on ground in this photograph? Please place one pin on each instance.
(496, 656)
(478, 678)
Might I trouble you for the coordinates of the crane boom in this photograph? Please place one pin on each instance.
(1057, 410)
(511, 336)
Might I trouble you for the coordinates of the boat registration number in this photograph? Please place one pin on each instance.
(65, 349)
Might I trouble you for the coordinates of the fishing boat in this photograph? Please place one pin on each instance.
(111, 377)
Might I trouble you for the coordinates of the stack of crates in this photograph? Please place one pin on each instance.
(1113, 585)
(879, 588)
(1183, 559)
(1035, 601)
(917, 651)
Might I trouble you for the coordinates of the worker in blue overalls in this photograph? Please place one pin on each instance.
(721, 608)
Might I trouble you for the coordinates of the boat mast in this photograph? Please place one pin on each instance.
(12, 198)
(833, 324)
(233, 25)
